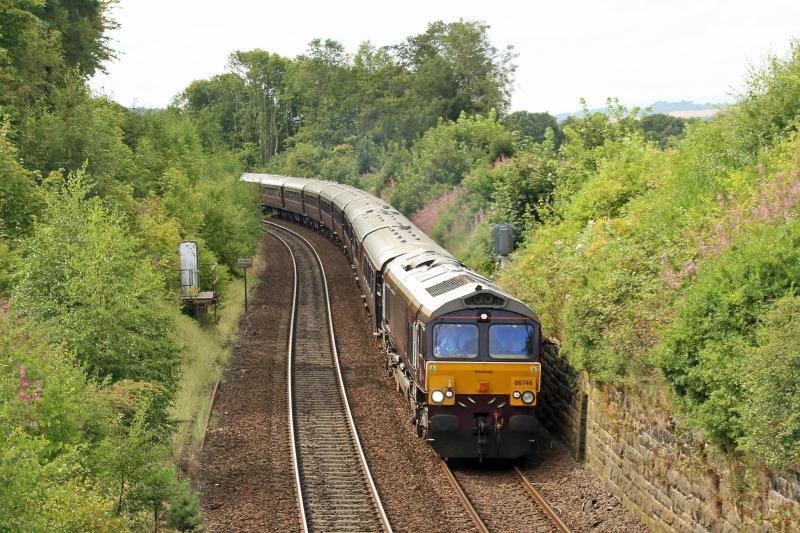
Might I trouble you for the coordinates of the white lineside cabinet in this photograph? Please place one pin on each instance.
(188, 257)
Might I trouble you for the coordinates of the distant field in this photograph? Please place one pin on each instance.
(694, 113)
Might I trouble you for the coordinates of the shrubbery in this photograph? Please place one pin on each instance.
(94, 199)
(681, 263)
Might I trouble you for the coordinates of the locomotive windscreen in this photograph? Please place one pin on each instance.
(455, 340)
(512, 341)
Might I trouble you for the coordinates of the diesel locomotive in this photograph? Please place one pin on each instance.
(463, 352)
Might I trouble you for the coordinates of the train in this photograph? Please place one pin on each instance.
(463, 352)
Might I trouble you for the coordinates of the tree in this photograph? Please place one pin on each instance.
(773, 407)
(84, 280)
(662, 129)
(20, 199)
(74, 129)
(82, 27)
(457, 69)
(534, 125)
(30, 56)
(50, 415)
(271, 108)
(40, 42)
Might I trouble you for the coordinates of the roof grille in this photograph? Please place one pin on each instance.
(448, 285)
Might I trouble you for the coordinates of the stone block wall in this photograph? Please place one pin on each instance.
(673, 480)
(561, 405)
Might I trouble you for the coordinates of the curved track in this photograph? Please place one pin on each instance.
(335, 490)
(503, 500)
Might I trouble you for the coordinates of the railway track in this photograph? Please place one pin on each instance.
(334, 486)
(503, 500)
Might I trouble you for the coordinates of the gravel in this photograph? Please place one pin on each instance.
(246, 471)
(575, 492)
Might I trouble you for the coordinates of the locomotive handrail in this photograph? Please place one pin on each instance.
(351, 423)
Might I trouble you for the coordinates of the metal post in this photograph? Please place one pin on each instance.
(244, 263)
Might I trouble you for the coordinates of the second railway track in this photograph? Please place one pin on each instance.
(503, 500)
(335, 489)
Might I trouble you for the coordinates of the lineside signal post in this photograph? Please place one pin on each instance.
(245, 263)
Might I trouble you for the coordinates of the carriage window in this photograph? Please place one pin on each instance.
(512, 341)
(387, 303)
(455, 340)
(367, 275)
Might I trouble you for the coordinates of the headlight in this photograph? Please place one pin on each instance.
(516, 395)
(449, 393)
(437, 396)
(527, 397)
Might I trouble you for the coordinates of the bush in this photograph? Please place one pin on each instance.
(20, 199)
(705, 353)
(49, 414)
(84, 280)
(772, 405)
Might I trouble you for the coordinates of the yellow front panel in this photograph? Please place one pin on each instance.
(481, 378)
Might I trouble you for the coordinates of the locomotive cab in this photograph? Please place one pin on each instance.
(482, 380)
(467, 355)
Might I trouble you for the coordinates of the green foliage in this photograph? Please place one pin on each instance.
(519, 186)
(41, 41)
(84, 280)
(768, 108)
(613, 290)
(184, 508)
(631, 170)
(772, 428)
(662, 129)
(41, 495)
(48, 414)
(27, 49)
(706, 351)
(73, 130)
(534, 125)
(230, 218)
(133, 465)
(9, 264)
(458, 70)
(444, 156)
(20, 200)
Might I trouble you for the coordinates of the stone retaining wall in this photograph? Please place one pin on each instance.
(561, 405)
(673, 481)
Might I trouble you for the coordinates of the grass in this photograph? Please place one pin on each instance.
(205, 360)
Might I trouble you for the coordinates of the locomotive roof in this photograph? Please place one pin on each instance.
(438, 284)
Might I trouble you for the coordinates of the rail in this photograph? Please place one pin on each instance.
(329, 496)
(540, 502)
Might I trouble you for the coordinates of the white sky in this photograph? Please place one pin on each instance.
(640, 51)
